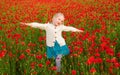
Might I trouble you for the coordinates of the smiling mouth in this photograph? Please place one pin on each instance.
(58, 23)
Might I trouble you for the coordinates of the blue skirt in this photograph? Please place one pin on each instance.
(56, 50)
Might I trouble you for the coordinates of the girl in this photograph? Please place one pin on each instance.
(56, 46)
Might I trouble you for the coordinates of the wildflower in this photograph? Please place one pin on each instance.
(98, 60)
(16, 36)
(111, 69)
(109, 51)
(23, 43)
(86, 35)
(90, 60)
(33, 65)
(28, 51)
(0, 27)
(118, 54)
(31, 44)
(108, 60)
(38, 57)
(22, 56)
(114, 60)
(48, 62)
(92, 70)
(74, 72)
(116, 65)
(97, 54)
(54, 68)
(10, 54)
(40, 65)
(2, 53)
(34, 73)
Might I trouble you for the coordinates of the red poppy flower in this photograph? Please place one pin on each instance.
(40, 65)
(16, 36)
(33, 65)
(54, 68)
(90, 60)
(48, 62)
(28, 51)
(118, 54)
(38, 57)
(2, 53)
(22, 56)
(73, 72)
(92, 70)
(98, 60)
(0, 27)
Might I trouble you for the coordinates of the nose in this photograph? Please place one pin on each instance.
(58, 22)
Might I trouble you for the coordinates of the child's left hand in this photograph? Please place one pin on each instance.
(80, 31)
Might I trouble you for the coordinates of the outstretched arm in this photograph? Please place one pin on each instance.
(69, 28)
(35, 25)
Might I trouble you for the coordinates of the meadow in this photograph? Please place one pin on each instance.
(94, 52)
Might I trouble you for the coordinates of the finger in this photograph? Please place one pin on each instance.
(22, 23)
(81, 30)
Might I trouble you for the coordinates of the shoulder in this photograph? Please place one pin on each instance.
(49, 24)
(62, 25)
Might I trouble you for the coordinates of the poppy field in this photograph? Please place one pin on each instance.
(96, 51)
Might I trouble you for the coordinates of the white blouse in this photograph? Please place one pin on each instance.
(53, 33)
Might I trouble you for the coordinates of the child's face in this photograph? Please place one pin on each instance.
(58, 20)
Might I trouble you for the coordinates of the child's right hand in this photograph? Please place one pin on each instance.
(80, 31)
(22, 23)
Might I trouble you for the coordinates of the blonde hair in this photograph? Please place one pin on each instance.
(57, 15)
